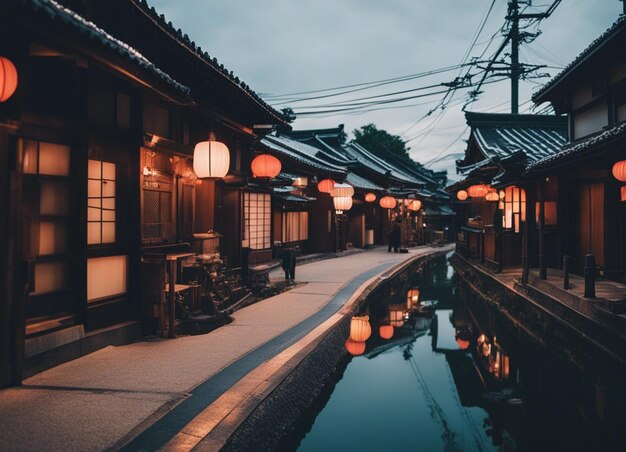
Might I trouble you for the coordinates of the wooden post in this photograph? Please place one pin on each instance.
(590, 276)
(172, 297)
(525, 264)
(566, 272)
(542, 259)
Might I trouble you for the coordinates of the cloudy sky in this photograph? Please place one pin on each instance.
(293, 46)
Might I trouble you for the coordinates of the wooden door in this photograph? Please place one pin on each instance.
(591, 223)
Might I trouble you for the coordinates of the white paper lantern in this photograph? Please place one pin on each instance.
(342, 190)
(342, 202)
(211, 159)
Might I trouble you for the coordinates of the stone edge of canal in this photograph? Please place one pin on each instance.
(279, 414)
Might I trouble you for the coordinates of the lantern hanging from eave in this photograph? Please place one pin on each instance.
(325, 186)
(478, 190)
(360, 329)
(265, 166)
(211, 159)
(370, 197)
(388, 202)
(492, 196)
(385, 332)
(415, 205)
(461, 195)
(619, 171)
(355, 348)
(342, 190)
(8, 79)
(623, 193)
(342, 203)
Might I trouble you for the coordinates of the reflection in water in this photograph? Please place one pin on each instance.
(443, 371)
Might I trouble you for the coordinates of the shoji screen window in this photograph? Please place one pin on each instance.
(257, 210)
(46, 221)
(100, 202)
(514, 208)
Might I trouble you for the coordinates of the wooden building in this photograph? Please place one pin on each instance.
(495, 200)
(590, 209)
(96, 154)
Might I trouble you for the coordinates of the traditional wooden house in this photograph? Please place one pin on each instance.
(495, 199)
(96, 152)
(581, 188)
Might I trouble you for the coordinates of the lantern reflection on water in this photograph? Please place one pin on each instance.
(462, 343)
(355, 348)
(386, 331)
(412, 298)
(360, 329)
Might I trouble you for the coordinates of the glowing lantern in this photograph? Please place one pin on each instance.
(342, 203)
(492, 196)
(623, 193)
(342, 190)
(462, 343)
(355, 348)
(360, 329)
(211, 159)
(461, 195)
(8, 78)
(325, 186)
(385, 331)
(501, 194)
(619, 171)
(370, 197)
(415, 205)
(412, 298)
(477, 191)
(266, 166)
(388, 202)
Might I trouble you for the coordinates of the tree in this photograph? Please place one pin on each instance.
(381, 141)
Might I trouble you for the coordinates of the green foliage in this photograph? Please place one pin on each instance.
(381, 141)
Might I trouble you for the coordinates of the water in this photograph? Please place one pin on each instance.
(458, 377)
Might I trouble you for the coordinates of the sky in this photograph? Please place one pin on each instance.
(281, 47)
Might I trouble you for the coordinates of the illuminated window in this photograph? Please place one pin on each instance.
(295, 226)
(514, 208)
(100, 202)
(257, 209)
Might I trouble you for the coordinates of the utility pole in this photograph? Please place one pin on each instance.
(515, 72)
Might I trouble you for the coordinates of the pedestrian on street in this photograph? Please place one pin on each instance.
(394, 236)
(288, 256)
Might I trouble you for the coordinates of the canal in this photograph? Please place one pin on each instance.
(444, 371)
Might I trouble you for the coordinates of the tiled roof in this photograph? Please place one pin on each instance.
(361, 183)
(54, 11)
(300, 152)
(515, 138)
(595, 45)
(582, 147)
(204, 56)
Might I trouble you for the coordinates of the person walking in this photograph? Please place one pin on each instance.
(395, 235)
(288, 257)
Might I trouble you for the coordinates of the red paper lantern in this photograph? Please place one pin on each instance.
(492, 196)
(462, 343)
(461, 195)
(478, 191)
(385, 331)
(325, 186)
(370, 197)
(415, 205)
(355, 348)
(388, 202)
(619, 171)
(8, 79)
(266, 166)
(623, 193)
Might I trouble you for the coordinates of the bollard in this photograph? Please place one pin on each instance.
(590, 276)
(565, 272)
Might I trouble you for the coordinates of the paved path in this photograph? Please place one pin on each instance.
(151, 389)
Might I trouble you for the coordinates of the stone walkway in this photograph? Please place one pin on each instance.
(107, 398)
